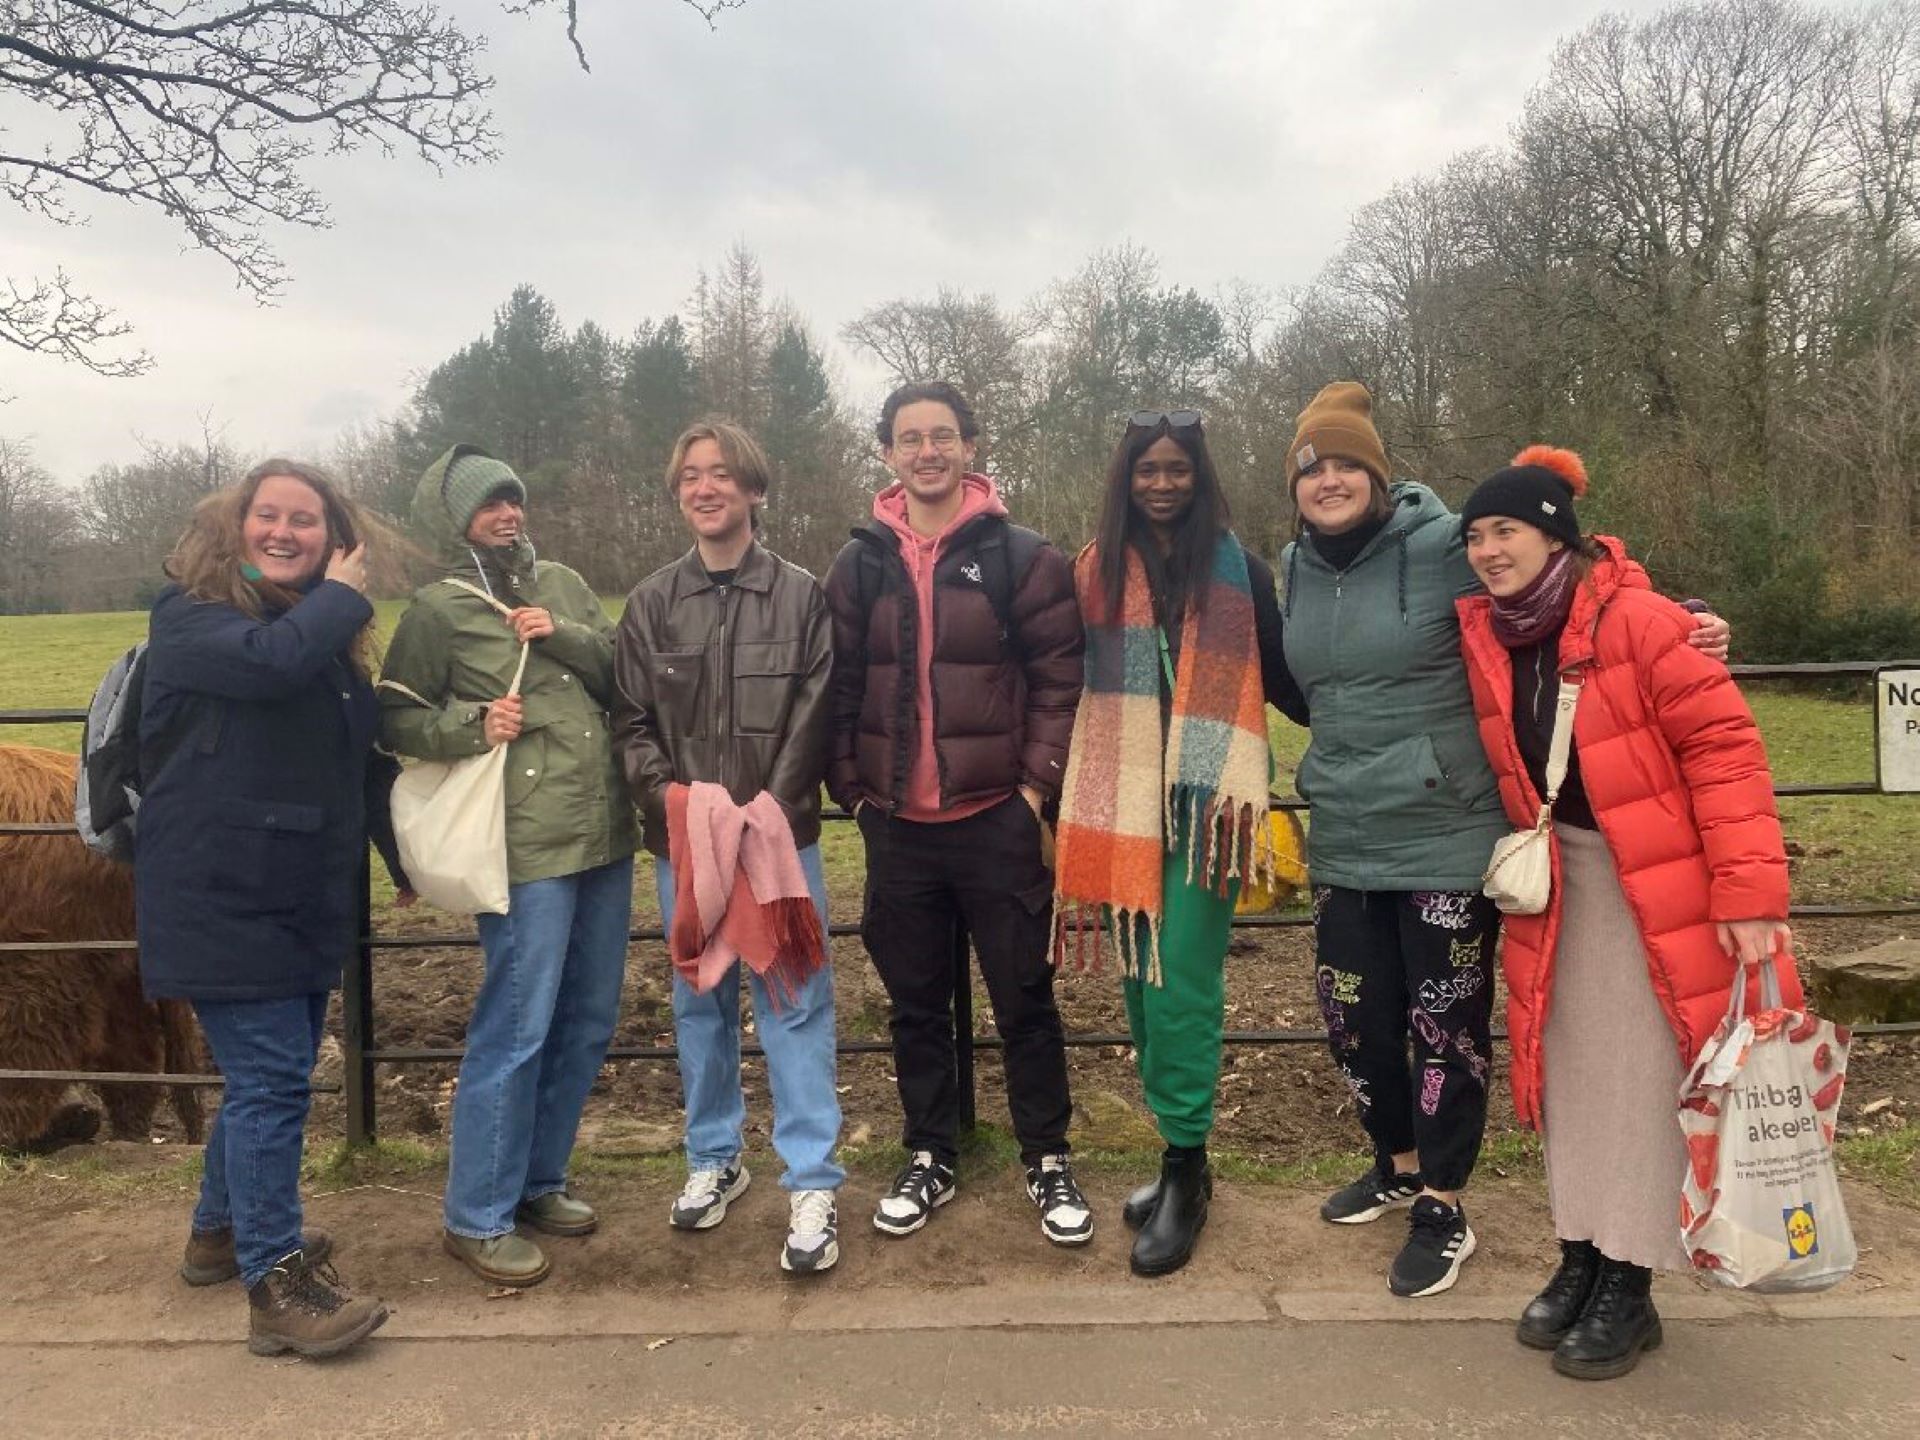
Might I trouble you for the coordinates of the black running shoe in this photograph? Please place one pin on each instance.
(1370, 1197)
(1438, 1244)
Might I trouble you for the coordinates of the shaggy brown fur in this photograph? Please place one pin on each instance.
(71, 1010)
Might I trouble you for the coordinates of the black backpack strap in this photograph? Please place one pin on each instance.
(1006, 553)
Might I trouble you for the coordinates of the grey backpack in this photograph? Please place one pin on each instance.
(107, 793)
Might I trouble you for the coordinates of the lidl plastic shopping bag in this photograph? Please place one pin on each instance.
(1760, 1208)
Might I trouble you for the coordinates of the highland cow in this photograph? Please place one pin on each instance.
(75, 1010)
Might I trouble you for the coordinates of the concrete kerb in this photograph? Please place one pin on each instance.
(217, 1318)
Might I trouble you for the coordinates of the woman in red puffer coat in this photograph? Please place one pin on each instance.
(1669, 874)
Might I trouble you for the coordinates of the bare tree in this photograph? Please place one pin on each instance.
(207, 111)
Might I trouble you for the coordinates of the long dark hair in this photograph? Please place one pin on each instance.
(1181, 574)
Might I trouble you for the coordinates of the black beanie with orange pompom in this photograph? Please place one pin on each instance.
(1539, 487)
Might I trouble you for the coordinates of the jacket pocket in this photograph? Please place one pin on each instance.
(526, 767)
(765, 675)
(268, 857)
(679, 680)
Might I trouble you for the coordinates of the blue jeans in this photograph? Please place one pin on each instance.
(266, 1050)
(538, 1036)
(798, 1038)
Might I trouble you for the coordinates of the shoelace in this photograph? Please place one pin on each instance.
(917, 1175)
(1433, 1227)
(1609, 1292)
(315, 1288)
(701, 1184)
(812, 1212)
(1056, 1185)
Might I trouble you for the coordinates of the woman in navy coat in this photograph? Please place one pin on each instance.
(256, 732)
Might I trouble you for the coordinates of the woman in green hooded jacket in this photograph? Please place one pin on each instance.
(545, 1012)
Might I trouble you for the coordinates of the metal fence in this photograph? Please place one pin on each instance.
(362, 1052)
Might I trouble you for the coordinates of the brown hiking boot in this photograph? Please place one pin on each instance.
(210, 1259)
(304, 1307)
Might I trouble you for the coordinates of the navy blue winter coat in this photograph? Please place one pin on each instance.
(255, 740)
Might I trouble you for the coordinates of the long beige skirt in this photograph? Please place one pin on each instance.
(1612, 1073)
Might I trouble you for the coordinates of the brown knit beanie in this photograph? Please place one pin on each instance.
(1338, 422)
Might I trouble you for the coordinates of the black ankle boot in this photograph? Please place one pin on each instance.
(1545, 1321)
(1618, 1323)
(1140, 1202)
(1165, 1241)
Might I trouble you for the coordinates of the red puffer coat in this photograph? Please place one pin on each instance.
(1677, 777)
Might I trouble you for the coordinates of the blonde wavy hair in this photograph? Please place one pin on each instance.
(208, 560)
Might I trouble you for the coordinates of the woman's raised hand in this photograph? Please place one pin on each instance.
(349, 567)
(530, 622)
(1753, 941)
(504, 719)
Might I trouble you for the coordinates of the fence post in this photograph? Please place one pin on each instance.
(356, 1021)
(963, 1024)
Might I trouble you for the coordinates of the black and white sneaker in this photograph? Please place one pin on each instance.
(1370, 1197)
(1065, 1216)
(1438, 1244)
(813, 1233)
(703, 1202)
(919, 1190)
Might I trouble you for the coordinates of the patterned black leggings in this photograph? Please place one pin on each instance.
(1394, 965)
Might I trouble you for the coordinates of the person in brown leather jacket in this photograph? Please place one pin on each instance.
(957, 654)
(721, 664)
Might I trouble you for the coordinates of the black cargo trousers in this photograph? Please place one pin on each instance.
(986, 871)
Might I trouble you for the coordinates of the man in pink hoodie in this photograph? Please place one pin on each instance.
(956, 669)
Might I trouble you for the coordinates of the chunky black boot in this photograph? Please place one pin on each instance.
(1165, 1242)
(1618, 1323)
(1140, 1202)
(1546, 1320)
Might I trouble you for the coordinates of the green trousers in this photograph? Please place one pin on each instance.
(1176, 1024)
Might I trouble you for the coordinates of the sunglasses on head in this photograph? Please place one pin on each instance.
(1172, 419)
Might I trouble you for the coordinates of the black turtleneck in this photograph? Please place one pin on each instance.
(1340, 551)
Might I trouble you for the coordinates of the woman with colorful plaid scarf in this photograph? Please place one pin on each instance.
(1164, 811)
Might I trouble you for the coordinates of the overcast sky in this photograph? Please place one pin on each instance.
(863, 149)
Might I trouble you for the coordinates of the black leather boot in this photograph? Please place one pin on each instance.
(1165, 1242)
(1546, 1320)
(1140, 1202)
(1618, 1323)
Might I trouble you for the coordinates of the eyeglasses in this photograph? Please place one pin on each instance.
(913, 440)
(1172, 419)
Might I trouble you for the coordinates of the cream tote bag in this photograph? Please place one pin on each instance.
(1519, 878)
(450, 819)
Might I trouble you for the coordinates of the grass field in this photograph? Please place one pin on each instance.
(1858, 849)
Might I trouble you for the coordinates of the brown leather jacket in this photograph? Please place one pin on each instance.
(1003, 704)
(727, 685)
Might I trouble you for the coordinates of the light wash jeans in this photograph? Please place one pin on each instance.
(798, 1038)
(266, 1050)
(538, 1036)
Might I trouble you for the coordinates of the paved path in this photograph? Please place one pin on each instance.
(1198, 1362)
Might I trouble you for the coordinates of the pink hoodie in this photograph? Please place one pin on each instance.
(920, 553)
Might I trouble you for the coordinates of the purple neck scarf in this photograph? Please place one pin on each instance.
(1528, 616)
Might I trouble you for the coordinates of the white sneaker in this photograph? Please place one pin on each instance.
(813, 1232)
(703, 1203)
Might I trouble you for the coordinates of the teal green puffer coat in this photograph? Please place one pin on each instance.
(1402, 795)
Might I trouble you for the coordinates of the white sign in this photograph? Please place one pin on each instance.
(1896, 719)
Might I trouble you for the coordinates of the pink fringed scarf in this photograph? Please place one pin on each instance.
(739, 892)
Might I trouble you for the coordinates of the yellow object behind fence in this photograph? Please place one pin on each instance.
(1290, 866)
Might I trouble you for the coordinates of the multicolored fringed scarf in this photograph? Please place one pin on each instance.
(1128, 796)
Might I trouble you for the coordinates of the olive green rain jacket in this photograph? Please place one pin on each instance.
(452, 653)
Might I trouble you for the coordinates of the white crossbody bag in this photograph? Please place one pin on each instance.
(450, 817)
(1519, 878)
